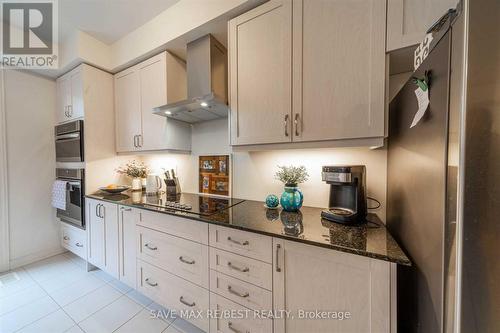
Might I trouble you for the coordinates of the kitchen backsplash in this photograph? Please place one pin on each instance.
(253, 172)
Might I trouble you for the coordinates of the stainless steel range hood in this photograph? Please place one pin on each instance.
(207, 84)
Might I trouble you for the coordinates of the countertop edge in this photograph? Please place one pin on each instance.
(269, 234)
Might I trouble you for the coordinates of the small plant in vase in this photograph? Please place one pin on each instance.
(135, 170)
(292, 198)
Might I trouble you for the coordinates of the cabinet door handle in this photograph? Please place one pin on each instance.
(135, 141)
(186, 303)
(230, 326)
(101, 215)
(286, 125)
(97, 210)
(231, 290)
(66, 238)
(66, 110)
(245, 243)
(152, 284)
(79, 245)
(296, 122)
(189, 262)
(278, 247)
(139, 140)
(70, 110)
(239, 269)
(152, 248)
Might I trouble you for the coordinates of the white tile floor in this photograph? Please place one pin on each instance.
(58, 295)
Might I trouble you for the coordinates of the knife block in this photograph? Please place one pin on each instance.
(173, 186)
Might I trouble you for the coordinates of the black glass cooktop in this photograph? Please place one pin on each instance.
(188, 203)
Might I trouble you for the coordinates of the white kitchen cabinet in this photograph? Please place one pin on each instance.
(74, 239)
(338, 69)
(408, 20)
(127, 110)
(343, 283)
(70, 96)
(152, 83)
(102, 226)
(308, 71)
(174, 293)
(260, 56)
(127, 220)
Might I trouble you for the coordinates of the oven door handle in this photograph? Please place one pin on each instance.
(67, 136)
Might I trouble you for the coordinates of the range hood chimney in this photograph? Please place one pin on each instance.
(207, 84)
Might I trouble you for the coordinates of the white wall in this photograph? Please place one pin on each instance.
(148, 39)
(253, 172)
(30, 104)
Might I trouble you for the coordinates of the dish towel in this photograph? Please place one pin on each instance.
(59, 194)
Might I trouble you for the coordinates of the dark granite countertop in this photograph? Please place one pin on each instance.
(370, 239)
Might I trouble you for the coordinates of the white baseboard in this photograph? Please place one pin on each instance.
(31, 258)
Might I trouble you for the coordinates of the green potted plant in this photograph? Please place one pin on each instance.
(292, 198)
(135, 170)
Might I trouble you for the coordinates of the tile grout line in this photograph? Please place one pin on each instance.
(48, 314)
(60, 307)
(21, 291)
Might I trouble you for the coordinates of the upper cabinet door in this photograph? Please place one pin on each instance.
(70, 96)
(408, 20)
(76, 82)
(62, 86)
(127, 110)
(153, 73)
(339, 69)
(260, 55)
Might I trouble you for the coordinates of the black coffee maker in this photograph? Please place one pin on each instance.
(347, 203)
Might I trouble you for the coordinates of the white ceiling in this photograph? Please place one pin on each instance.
(107, 20)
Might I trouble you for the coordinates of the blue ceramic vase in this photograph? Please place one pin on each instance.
(291, 199)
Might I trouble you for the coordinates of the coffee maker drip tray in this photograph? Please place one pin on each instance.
(339, 214)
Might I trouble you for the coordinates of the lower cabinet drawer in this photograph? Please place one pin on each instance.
(242, 242)
(181, 257)
(249, 270)
(177, 226)
(234, 318)
(74, 240)
(243, 293)
(173, 293)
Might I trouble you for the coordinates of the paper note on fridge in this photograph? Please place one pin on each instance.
(423, 104)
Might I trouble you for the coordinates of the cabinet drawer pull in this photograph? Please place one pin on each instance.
(79, 245)
(152, 284)
(186, 303)
(245, 243)
(189, 262)
(286, 125)
(230, 326)
(66, 238)
(278, 247)
(126, 209)
(296, 122)
(239, 269)
(230, 289)
(101, 213)
(152, 248)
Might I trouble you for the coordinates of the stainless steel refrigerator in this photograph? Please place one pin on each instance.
(443, 176)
